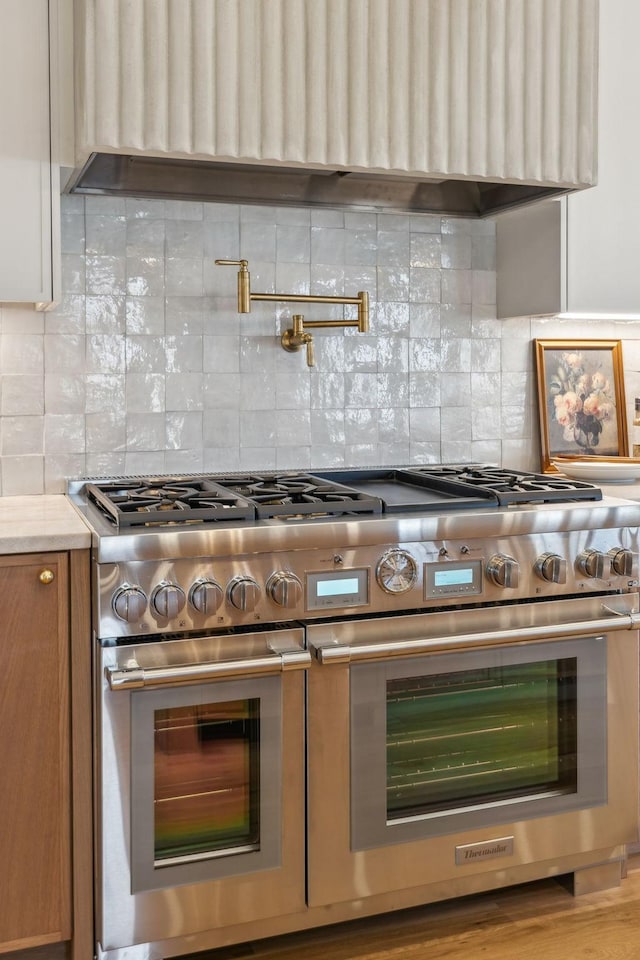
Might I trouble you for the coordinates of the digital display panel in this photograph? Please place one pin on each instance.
(455, 577)
(334, 588)
(448, 579)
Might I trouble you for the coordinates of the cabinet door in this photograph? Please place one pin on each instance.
(603, 232)
(34, 751)
(580, 255)
(25, 153)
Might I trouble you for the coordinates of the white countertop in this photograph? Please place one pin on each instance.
(35, 524)
(622, 491)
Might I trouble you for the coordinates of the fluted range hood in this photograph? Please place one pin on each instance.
(177, 179)
(463, 108)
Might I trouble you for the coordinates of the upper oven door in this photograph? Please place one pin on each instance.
(200, 762)
(470, 741)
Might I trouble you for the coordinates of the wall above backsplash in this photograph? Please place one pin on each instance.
(146, 366)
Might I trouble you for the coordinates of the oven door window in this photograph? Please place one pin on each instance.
(205, 778)
(485, 737)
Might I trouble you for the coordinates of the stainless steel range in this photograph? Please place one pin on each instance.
(324, 695)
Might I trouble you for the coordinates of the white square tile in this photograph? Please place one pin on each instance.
(22, 435)
(184, 431)
(183, 354)
(146, 276)
(104, 354)
(64, 394)
(146, 432)
(105, 314)
(144, 316)
(22, 396)
(22, 476)
(106, 236)
(221, 428)
(184, 391)
(22, 355)
(145, 393)
(105, 433)
(106, 275)
(64, 433)
(184, 239)
(105, 392)
(59, 470)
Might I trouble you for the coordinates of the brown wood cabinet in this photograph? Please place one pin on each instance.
(44, 751)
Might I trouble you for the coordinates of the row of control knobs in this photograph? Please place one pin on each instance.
(130, 602)
(503, 571)
(397, 571)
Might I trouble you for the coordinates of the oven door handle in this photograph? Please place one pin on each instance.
(332, 651)
(133, 677)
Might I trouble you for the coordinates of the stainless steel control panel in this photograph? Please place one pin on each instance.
(142, 597)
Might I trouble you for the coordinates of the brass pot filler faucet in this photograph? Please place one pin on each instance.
(298, 336)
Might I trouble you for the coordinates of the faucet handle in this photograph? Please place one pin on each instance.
(311, 350)
(244, 283)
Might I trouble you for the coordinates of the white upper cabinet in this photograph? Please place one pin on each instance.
(582, 254)
(28, 194)
(495, 90)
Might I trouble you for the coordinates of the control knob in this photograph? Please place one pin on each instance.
(167, 600)
(397, 571)
(129, 603)
(503, 571)
(243, 593)
(592, 563)
(551, 567)
(621, 561)
(285, 589)
(206, 595)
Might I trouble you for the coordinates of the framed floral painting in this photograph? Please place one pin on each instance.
(581, 399)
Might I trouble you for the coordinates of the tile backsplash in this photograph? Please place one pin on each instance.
(145, 366)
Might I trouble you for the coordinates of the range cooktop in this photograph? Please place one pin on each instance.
(183, 500)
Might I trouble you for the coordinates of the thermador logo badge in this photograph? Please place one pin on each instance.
(485, 850)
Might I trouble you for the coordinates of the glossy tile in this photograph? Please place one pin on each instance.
(146, 362)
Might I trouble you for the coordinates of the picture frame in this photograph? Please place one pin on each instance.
(581, 399)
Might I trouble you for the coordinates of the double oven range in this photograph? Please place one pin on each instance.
(326, 695)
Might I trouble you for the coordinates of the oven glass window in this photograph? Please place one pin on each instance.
(479, 736)
(206, 779)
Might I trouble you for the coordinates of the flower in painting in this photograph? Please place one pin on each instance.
(582, 401)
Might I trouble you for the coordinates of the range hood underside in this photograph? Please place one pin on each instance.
(177, 179)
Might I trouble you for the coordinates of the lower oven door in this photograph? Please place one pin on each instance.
(447, 745)
(200, 760)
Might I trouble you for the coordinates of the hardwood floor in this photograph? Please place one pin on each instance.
(535, 921)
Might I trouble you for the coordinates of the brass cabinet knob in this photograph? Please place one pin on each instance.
(47, 576)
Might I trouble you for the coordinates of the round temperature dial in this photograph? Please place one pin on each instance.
(397, 571)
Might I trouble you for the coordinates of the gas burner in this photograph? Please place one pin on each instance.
(513, 486)
(150, 501)
(300, 496)
(139, 502)
(153, 501)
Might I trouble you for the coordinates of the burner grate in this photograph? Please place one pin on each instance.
(514, 486)
(298, 496)
(157, 500)
(166, 501)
